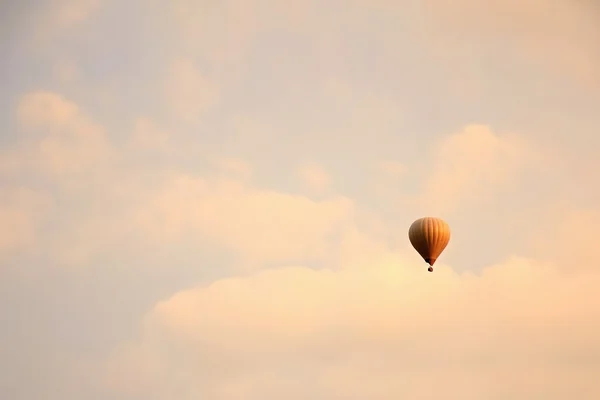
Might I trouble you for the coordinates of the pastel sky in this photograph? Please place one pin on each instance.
(211, 199)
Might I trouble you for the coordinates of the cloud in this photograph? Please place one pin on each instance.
(314, 177)
(470, 166)
(190, 94)
(390, 168)
(43, 109)
(21, 211)
(259, 225)
(561, 37)
(235, 167)
(222, 34)
(66, 71)
(155, 189)
(521, 330)
(388, 183)
(56, 19)
(148, 136)
(59, 138)
(58, 155)
(69, 12)
(571, 238)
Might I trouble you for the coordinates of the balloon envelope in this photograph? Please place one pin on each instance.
(429, 236)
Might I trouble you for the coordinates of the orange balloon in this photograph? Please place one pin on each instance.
(429, 236)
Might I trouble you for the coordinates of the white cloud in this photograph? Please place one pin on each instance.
(190, 94)
(148, 136)
(159, 218)
(221, 34)
(66, 71)
(21, 212)
(60, 138)
(57, 18)
(314, 177)
(262, 226)
(392, 169)
(561, 37)
(236, 167)
(520, 330)
(71, 11)
(571, 238)
(472, 165)
(43, 109)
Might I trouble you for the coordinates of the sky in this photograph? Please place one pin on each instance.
(211, 199)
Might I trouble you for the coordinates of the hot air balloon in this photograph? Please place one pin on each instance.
(429, 236)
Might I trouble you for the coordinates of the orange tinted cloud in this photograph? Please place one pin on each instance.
(190, 93)
(560, 37)
(60, 138)
(345, 87)
(470, 166)
(147, 135)
(21, 212)
(314, 177)
(392, 169)
(264, 226)
(521, 329)
(235, 167)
